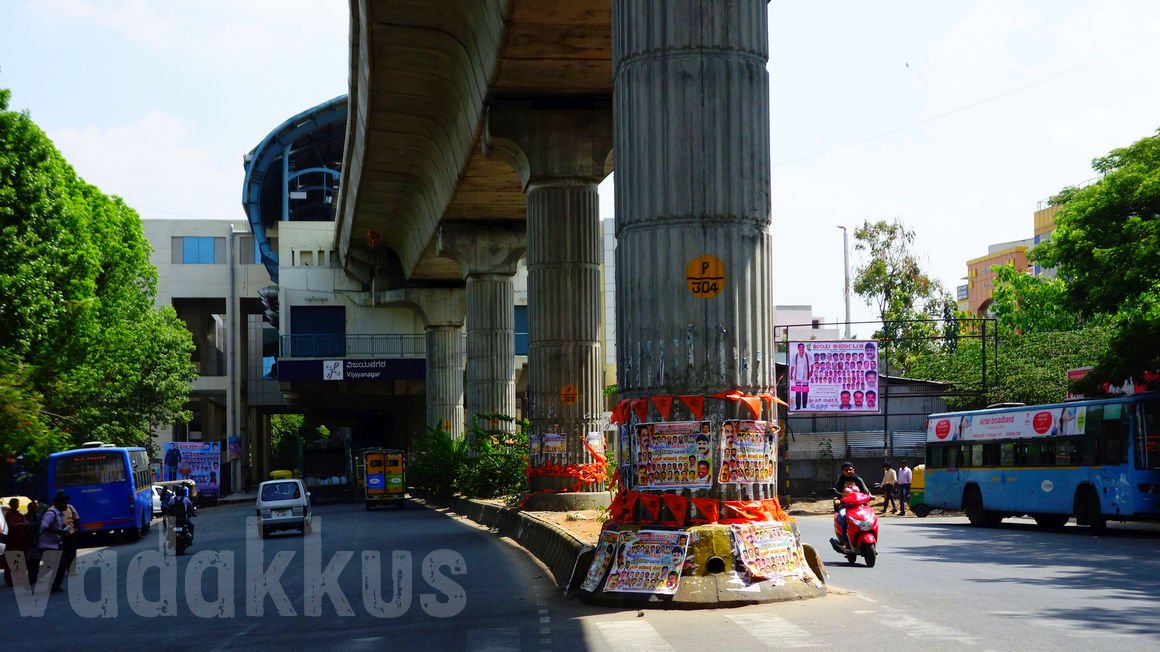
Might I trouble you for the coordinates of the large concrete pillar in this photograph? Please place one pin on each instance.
(560, 154)
(443, 311)
(488, 254)
(694, 249)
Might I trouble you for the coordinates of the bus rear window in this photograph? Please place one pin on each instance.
(90, 468)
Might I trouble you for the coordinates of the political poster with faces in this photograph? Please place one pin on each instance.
(674, 455)
(601, 560)
(648, 561)
(767, 550)
(748, 452)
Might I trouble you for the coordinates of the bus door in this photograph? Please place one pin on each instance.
(1114, 477)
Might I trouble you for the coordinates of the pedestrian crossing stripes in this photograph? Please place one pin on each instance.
(636, 635)
(775, 631)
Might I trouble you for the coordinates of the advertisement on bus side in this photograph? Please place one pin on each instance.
(1016, 424)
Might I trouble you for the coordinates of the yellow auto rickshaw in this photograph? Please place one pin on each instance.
(918, 492)
(382, 476)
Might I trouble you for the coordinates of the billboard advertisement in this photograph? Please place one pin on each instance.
(833, 376)
(194, 460)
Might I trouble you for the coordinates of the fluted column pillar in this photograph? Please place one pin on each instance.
(560, 155)
(442, 310)
(488, 254)
(694, 249)
(445, 378)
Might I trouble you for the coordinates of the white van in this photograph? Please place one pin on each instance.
(283, 505)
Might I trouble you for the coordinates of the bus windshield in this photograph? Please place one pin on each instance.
(1148, 441)
(90, 469)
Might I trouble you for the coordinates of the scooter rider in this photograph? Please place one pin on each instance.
(848, 480)
(182, 509)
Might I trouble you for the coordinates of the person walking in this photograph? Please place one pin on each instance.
(905, 475)
(889, 482)
(52, 529)
(68, 540)
(17, 535)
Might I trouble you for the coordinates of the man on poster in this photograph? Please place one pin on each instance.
(799, 377)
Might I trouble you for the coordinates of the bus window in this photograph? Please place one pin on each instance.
(990, 454)
(1039, 454)
(934, 457)
(90, 469)
(977, 455)
(1007, 454)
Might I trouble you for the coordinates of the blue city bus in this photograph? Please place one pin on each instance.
(109, 486)
(1096, 460)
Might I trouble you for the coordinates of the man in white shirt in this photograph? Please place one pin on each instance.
(905, 475)
(799, 377)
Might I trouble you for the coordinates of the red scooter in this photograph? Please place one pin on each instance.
(861, 527)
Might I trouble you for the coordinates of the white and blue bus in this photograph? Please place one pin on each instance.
(111, 487)
(1096, 460)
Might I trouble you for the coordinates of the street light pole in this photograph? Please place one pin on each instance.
(846, 269)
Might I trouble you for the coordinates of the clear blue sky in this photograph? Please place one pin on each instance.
(954, 117)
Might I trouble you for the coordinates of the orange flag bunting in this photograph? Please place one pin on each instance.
(652, 505)
(753, 403)
(696, 405)
(678, 506)
(640, 407)
(707, 510)
(664, 405)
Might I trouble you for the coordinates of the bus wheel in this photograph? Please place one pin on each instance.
(1087, 510)
(973, 506)
(1051, 521)
(132, 533)
(920, 510)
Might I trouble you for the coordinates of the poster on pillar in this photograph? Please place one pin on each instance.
(767, 550)
(553, 446)
(625, 456)
(834, 376)
(748, 452)
(648, 561)
(595, 444)
(674, 455)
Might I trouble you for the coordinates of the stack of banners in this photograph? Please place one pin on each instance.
(194, 460)
(768, 551)
(674, 455)
(834, 376)
(646, 561)
(1026, 423)
(748, 452)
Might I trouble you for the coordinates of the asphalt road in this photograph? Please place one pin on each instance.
(938, 584)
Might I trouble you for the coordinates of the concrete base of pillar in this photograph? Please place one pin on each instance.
(568, 502)
(712, 579)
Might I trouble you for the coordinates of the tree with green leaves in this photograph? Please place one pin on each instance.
(86, 355)
(916, 310)
(1023, 303)
(1105, 244)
